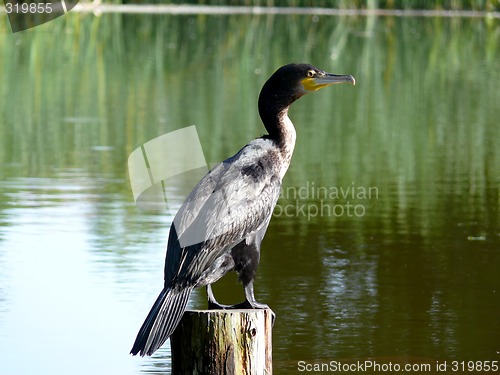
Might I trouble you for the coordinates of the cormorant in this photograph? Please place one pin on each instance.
(221, 224)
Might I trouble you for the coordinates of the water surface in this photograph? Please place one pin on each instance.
(385, 242)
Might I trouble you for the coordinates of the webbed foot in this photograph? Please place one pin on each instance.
(249, 303)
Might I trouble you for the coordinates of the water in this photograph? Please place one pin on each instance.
(385, 243)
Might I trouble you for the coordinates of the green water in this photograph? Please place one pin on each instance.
(385, 244)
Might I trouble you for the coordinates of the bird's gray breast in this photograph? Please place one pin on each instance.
(233, 201)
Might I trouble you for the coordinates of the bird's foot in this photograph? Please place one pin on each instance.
(214, 305)
(262, 306)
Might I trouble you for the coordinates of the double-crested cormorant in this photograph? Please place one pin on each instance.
(221, 224)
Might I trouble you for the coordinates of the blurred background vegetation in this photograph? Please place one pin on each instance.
(477, 5)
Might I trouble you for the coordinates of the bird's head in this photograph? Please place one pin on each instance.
(296, 80)
(313, 79)
(289, 83)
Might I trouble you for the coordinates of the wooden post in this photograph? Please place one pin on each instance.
(223, 342)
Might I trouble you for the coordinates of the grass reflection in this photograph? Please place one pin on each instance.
(422, 115)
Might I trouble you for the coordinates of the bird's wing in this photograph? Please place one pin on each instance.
(234, 200)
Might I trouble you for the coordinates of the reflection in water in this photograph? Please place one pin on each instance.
(415, 278)
(54, 301)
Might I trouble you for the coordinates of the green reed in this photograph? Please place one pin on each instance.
(424, 107)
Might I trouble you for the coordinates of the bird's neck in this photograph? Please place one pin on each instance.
(274, 104)
(282, 132)
(285, 134)
(278, 124)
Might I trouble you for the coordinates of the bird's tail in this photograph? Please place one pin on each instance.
(161, 321)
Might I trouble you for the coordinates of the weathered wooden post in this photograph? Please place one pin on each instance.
(223, 342)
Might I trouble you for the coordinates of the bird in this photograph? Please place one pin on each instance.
(220, 226)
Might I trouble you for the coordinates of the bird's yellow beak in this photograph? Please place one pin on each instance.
(316, 83)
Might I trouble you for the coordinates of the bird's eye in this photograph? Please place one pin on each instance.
(311, 73)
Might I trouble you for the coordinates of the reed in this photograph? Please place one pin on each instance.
(424, 106)
(479, 5)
